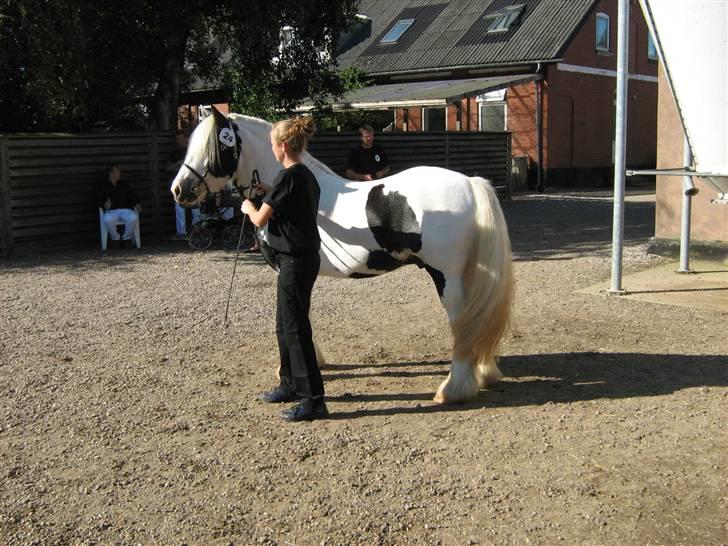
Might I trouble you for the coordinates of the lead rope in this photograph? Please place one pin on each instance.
(253, 181)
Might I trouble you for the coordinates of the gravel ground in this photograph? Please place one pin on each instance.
(128, 412)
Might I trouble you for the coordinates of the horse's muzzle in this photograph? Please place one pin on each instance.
(189, 192)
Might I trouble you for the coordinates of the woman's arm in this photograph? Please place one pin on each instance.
(259, 217)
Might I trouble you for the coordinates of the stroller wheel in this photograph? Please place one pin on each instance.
(200, 237)
(231, 237)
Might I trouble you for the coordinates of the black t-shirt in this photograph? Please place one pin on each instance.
(294, 198)
(367, 161)
(121, 195)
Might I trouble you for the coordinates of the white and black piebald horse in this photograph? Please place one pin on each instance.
(445, 222)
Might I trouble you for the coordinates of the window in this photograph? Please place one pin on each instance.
(651, 49)
(399, 28)
(504, 20)
(286, 36)
(493, 117)
(602, 38)
(492, 108)
(203, 111)
(433, 119)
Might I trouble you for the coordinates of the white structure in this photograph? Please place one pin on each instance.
(692, 42)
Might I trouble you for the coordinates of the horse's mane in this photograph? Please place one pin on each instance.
(209, 148)
(316, 165)
(310, 161)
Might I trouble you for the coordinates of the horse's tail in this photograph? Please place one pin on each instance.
(488, 287)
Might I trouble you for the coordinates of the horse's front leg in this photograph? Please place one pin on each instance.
(466, 375)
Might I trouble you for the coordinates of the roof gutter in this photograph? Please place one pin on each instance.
(474, 70)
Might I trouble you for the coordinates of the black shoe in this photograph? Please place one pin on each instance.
(308, 410)
(277, 395)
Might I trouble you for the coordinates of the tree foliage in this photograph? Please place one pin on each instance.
(77, 65)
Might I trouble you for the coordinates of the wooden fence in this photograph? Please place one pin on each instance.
(47, 181)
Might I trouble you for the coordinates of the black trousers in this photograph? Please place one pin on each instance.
(299, 367)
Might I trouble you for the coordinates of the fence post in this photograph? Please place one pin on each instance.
(447, 150)
(154, 182)
(6, 218)
(509, 164)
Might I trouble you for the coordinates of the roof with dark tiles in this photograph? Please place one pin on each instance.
(448, 35)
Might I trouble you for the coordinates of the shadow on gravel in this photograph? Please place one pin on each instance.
(548, 228)
(553, 378)
(542, 227)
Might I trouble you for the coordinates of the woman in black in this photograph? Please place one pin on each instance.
(290, 210)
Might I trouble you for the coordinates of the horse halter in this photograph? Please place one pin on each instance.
(200, 178)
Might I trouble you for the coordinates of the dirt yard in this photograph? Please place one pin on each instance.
(128, 414)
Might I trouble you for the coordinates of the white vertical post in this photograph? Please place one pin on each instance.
(620, 140)
(688, 190)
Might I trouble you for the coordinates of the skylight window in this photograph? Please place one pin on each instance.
(505, 19)
(399, 28)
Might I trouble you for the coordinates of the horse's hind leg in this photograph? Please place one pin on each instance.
(465, 377)
(320, 358)
(488, 373)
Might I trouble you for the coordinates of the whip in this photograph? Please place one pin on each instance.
(253, 181)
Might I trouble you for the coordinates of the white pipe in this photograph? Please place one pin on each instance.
(689, 190)
(620, 140)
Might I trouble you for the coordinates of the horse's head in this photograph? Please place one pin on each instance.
(211, 160)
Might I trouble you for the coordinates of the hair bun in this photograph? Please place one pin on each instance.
(305, 125)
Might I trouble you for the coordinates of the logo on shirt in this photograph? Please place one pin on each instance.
(377, 158)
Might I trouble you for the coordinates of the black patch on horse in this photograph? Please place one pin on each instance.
(392, 221)
(438, 278)
(227, 160)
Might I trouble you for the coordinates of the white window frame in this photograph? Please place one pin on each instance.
(504, 19)
(203, 111)
(286, 36)
(597, 45)
(493, 98)
(425, 124)
(397, 31)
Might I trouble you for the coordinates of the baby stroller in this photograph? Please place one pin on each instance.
(220, 223)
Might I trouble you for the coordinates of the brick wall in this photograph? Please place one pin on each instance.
(579, 106)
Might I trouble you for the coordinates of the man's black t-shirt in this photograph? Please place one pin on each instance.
(367, 160)
(121, 195)
(294, 198)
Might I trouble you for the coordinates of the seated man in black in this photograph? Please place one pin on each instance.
(120, 204)
(368, 161)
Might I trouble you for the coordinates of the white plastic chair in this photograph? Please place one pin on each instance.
(136, 237)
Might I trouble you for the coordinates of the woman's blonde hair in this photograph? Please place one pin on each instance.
(295, 132)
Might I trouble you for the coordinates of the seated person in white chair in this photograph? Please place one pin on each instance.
(120, 204)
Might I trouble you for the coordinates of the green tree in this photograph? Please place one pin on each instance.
(75, 65)
(351, 79)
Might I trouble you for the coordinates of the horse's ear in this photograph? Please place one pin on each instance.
(220, 118)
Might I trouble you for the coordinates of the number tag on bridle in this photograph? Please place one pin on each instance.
(227, 137)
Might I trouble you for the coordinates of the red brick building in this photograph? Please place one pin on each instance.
(561, 60)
